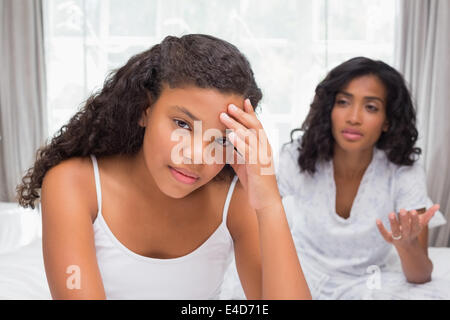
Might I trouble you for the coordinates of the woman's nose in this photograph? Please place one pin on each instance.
(354, 115)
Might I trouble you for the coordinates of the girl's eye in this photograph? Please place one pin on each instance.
(182, 124)
(341, 102)
(223, 141)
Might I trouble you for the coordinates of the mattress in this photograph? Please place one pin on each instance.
(22, 272)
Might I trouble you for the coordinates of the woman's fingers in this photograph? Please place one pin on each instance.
(395, 227)
(415, 223)
(405, 224)
(386, 234)
(425, 218)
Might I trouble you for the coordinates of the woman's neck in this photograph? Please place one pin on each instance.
(351, 165)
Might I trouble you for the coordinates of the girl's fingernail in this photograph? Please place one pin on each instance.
(224, 115)
(233, 107)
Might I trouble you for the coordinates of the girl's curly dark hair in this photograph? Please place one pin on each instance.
(108, 122)
(317, 142)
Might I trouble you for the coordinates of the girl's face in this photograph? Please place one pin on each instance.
(358, 116)
(182, 130)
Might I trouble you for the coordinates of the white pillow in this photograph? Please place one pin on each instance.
(18, 226)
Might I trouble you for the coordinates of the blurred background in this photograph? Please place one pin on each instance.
(55, 53)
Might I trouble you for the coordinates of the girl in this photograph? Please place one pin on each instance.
(343, 180)
(124, 219)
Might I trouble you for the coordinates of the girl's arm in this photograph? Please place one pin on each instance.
(67, 234)
(409, 235)
(280, 274)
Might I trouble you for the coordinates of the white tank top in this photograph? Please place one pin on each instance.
(128, 275)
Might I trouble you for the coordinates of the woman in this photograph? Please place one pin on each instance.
(344, 179)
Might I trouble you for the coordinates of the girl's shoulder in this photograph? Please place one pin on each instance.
(72, 176)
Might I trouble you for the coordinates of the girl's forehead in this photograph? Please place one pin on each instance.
(200, 102)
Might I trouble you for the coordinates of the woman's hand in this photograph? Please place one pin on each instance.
(254, 164)
(407, 228)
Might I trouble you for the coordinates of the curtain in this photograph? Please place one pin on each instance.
(291, 45)
(22, 90)
(423, 56)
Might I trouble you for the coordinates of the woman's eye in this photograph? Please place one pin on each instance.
(372, 108)
(182, 124)
(341, 102)
(223, 141)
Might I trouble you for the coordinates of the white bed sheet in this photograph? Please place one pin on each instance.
(22, 272)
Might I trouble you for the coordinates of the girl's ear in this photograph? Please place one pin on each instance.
(144, 118)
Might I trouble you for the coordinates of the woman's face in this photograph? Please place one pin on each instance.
(358, 116)
(184, 138)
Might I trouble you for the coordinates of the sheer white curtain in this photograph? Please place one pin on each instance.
(423, 56)
(23, 114)
(291, 44)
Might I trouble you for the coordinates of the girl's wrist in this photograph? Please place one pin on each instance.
(275, 206)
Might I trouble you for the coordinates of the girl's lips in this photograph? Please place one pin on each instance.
(351, 135)
(179, 176)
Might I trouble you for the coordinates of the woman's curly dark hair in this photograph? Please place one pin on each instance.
(108, 122)
(317, 142)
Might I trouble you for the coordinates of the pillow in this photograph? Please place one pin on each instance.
(18, 226)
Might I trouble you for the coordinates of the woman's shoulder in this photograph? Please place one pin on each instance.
(291, 148)
(399, 171)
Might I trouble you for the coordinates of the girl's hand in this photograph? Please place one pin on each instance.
(406, 230)
(254, 163)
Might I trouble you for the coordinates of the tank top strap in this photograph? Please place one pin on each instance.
(228, 199)
(97, 183)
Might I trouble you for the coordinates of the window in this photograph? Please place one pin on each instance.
(291, 45)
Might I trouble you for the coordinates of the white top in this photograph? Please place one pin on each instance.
(128, 275)
(330, 246)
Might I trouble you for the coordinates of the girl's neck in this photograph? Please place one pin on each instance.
(351, 165)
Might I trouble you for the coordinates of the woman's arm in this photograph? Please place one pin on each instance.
(409, 235)
(416, 265)
(67, 234)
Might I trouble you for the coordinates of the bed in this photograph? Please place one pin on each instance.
(22, 272)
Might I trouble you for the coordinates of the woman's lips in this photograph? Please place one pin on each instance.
(184, 177)
(352, 135)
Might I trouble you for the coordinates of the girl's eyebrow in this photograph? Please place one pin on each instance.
(187, 112)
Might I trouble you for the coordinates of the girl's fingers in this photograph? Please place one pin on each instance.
(230, 122)
(405, 224)
(425, 218)
(386, 234)
(395, 226)
(415, 223)
(245, 118)
(242, 148)
(248, 107)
